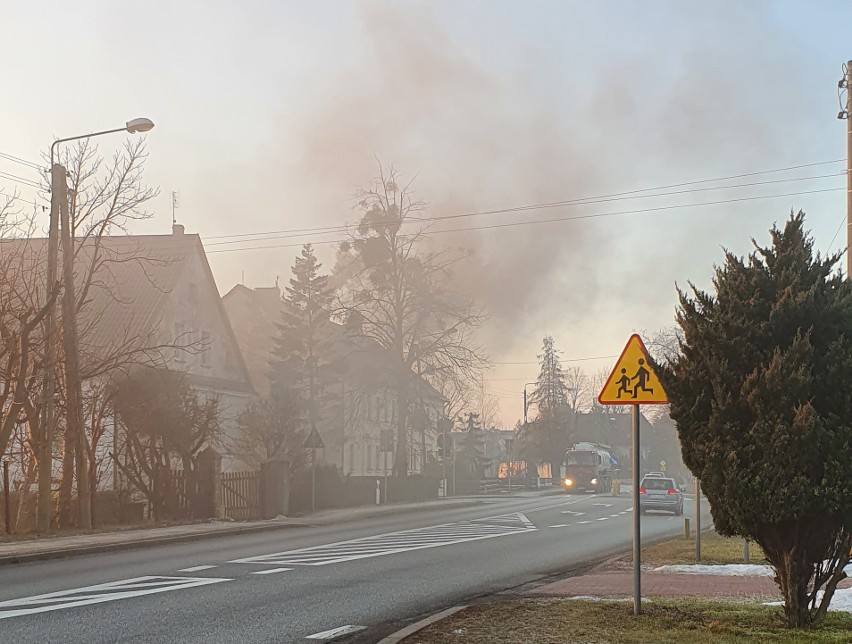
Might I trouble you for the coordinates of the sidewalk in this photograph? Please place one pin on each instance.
(55, 547)
(619, 584)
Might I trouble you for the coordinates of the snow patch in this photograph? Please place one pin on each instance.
(593, 598)
(726, 570)
(841, 601)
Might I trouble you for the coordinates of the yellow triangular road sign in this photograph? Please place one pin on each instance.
(633, 381)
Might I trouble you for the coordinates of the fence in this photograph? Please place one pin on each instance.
(241, 495)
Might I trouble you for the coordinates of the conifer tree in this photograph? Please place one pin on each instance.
(547, 437)
(299, 345)
(761, 392)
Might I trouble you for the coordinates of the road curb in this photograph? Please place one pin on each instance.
(411, 629)
(79, 551)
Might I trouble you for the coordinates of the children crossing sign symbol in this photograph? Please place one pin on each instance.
(633, 381)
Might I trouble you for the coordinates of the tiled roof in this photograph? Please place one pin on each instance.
(132, 283)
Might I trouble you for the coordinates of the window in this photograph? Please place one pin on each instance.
(369, 458)
(351, 457)
(382, 410)
(206, 348)
(378, 457)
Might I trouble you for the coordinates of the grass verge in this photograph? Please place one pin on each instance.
(675, 621)
(715, 549)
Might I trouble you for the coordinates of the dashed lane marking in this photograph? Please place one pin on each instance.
(196, 569)
(574, 512)
(100, 593)
(602, 505)
(396, 542)
(270, 571)
(583, 522)
(602, 519)
(559, 525)
(336, 632)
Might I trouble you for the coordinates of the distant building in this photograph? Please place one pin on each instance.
(359, 406)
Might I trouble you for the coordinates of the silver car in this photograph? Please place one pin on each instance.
(656, 493)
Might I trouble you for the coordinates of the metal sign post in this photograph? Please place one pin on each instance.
(633, 382)
(637, 535)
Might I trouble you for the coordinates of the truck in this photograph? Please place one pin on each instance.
(588, 467)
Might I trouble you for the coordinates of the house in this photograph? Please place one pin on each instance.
(151, 301)
(359, 412)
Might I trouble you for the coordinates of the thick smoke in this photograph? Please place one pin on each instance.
(419, 101)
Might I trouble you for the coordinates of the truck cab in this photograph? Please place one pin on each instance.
(587, 467)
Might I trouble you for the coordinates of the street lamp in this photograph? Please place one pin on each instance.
(73, 387)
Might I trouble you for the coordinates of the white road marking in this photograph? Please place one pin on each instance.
(559, 525)
(583, 522)
(336, 632)
(395, 542)
(196, 569)
(574, 512)
(603, 519)
(270, 571)
(100, 593)
(603, 505)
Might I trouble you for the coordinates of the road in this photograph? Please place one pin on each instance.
(284, 586)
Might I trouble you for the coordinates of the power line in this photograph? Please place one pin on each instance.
(580, 201)
(552, 220)
(563, 360)
(14, 177)
(836, 233)
(14, 159)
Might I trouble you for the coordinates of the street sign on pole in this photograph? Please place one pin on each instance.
(633, 382)
(314, 440)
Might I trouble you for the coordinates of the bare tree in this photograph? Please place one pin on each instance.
(25, 300)
(104, 199)
(271, 428)
(164, 420)
(401, 290)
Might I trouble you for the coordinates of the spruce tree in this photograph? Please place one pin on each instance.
(761, 392)
(301, 340)
(547, 437)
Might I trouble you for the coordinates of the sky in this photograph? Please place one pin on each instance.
(271, 114)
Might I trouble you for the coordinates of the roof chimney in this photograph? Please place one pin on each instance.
(177, 230)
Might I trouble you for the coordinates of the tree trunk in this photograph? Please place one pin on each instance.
(29, 477)
(65, 489)
(792, 576)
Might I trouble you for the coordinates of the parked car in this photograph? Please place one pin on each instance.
(658, 493)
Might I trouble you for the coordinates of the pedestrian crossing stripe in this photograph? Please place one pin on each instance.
(100, 593)
(633, 381)
(397, 542)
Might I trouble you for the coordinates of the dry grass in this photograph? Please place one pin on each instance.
(714, 550)
(676, 621)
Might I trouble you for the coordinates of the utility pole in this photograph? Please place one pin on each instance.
(73, 385)
(845, 83)
(45, 456)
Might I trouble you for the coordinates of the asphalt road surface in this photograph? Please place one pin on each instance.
(355, 580)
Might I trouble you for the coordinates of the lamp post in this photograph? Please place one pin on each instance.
(73, 387)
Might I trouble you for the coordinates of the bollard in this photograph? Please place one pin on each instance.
(686, 528)
(378, 491)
